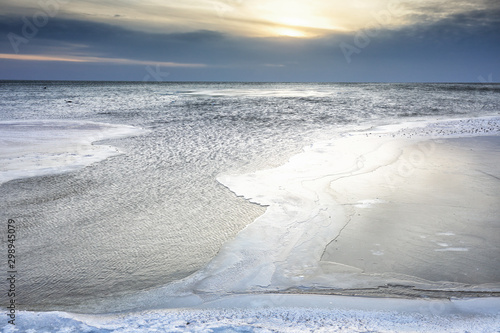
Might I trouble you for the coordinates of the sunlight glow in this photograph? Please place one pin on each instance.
(257, 18)
(289, 32)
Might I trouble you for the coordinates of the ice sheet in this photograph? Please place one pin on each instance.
(37, 148)
(437, 218)
(318, 193)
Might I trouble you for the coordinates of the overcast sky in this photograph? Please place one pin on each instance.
(251, 40)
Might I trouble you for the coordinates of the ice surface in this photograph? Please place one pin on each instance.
(447, 195)
(36, 148)
(312, 201)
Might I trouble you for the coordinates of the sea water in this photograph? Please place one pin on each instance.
(121, 189)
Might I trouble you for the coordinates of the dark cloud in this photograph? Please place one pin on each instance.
(479, 23)
(461, 47)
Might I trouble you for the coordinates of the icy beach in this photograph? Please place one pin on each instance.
(206, 216)
(402, 217)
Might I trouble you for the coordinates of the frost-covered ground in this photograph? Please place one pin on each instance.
(257, 314)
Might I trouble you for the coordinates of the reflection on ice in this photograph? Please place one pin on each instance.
(453, 249)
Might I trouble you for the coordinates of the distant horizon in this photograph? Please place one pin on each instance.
(259, 82)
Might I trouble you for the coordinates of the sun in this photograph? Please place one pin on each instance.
(289, 32)
(289, 18)
(296, 19)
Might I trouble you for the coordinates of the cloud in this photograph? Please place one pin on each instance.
(81, 59)
(458, 47)
(78, 38)
(248, 18)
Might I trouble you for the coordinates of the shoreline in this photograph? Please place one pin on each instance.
(396, 292)
(289, 313)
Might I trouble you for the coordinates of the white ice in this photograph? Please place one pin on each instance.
(45, 147)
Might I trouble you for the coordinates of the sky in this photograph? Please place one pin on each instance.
(251, 40)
